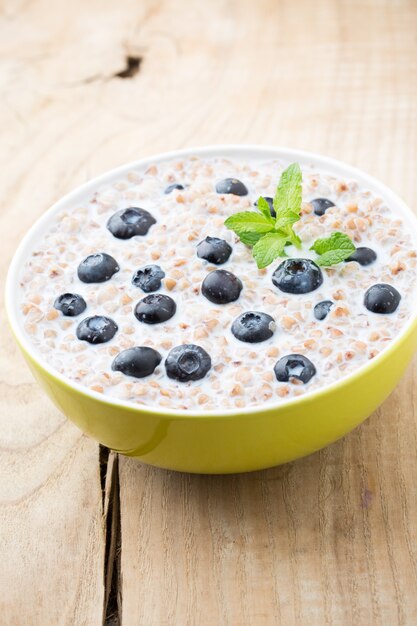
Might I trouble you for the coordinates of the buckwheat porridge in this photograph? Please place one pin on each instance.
(142, 293)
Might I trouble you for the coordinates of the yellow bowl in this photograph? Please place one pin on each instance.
(221, 441)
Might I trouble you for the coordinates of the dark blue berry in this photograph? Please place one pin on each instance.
(253, 327)
(294, 366)
(363, 256)
(320, 205)
(155, 309)
(70, 304)
(214, 250)
(139, 362)
(130, 222)
(221, 287)
(97, 329)
(187, 362)
(270, 202)
(172, 187)
(382, 298)
(297, 276)
(321, 310)
(148, 278)
(231, 185)
(97, 268)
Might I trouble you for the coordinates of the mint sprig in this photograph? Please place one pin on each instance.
(269, 235)
(334, 249)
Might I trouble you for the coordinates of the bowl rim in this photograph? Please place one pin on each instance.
(248, 151)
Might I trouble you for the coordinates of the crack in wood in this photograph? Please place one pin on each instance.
(133, 64)
(103, 459)
(132, 67)
(109, 478)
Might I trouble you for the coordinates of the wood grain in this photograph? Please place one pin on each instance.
(51, 538)
(330, 539)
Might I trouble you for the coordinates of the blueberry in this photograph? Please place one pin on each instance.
(231, 185)
(363, 256)
(382, 298)
(97, 268)
(253, 327)
(214, 250)
(187, 362)
(320, 205)
(97, 329)
(270, 201)
(155, 309)
(148, 278)
(221, 287)
(139, 362)
(171, 188)
(70, 304)
(294, 366)
(297, 276)
(321, 310)
(130, 222)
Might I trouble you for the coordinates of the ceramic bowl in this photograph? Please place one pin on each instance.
(231, 440)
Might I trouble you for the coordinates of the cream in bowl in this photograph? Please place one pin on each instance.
(147, 262)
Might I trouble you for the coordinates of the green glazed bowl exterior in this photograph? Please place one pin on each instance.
(233, 440)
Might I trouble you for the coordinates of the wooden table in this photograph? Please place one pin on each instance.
(86, 536)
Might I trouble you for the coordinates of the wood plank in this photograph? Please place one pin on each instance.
(52, 532)
(51, 537)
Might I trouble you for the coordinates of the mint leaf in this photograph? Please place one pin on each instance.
(283, 225)
(293, 238)
(268, 248)
(287, 203)
(249, 238)
(333, 257)
(288, 196)
(249, 226)
(333, 249)
(286, 220)
(336, 241)
(249, 221)
(263, 207)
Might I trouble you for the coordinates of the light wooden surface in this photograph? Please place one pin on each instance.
(330, 539)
